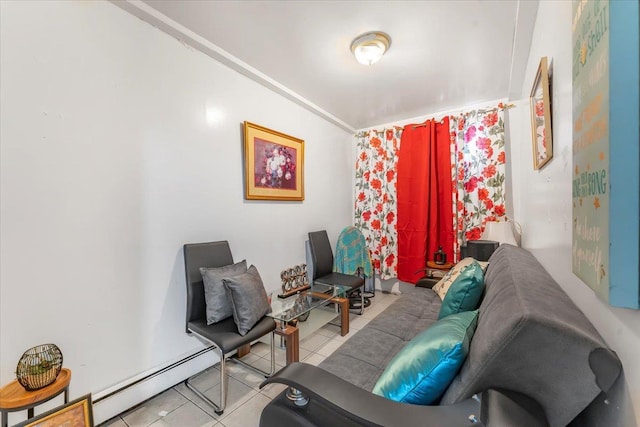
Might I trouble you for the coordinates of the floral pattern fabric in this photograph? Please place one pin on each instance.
(478, 176)
(478, 146)
(375, 208)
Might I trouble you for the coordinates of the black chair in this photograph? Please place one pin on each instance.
(322, 271)
(224, 334)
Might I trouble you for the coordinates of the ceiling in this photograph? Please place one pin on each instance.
(443, 55)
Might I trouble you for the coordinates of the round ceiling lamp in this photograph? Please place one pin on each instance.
(369, 47)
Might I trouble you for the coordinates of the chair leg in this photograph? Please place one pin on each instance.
(362, 301)
(273, 360)
(273, 353)
(219, 409)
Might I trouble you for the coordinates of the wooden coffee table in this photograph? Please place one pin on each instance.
(285, 311)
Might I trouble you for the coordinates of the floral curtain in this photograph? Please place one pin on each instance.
(478, 183)
(375, 192)
(477, 144)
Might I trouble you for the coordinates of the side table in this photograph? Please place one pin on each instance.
(13, 397)
(444, 267)
(429, 279)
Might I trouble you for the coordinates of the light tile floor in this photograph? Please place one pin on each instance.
(180, 407)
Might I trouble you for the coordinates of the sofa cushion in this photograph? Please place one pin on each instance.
(465, 292)
(215, 295)
(363, 357)
(423, 369)
(447, 280)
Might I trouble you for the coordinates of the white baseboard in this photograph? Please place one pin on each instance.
(138, 393)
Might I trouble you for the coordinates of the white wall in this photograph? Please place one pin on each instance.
(543, 203)
(109, 164)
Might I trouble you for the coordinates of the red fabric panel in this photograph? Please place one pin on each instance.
(441, 232)
(425, 214)
(412, 193)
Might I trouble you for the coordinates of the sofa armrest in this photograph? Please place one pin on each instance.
(508, 408)
(354, 406)
(334, 401)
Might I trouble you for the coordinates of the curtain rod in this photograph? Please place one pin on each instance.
(363, 132)
(486, 110)
(506, 107)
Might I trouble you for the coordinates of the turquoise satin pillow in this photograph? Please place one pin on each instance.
(465, 292)
(424, 368)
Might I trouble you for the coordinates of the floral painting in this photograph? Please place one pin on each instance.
(273, 164)
(541, 117)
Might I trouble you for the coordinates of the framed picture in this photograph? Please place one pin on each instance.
(541, 117)
(77, 413)
(273, 163)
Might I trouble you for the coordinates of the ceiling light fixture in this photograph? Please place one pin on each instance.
(369, 47)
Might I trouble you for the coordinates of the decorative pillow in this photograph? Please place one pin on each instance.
(424, 368)
(215, 295)
(465, 292)
(248, 299)
(443, 285)
(483, 265)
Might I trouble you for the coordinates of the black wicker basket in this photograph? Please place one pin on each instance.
(39, 366)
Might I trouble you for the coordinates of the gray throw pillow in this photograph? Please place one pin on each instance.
(215, 295)
(248, 299)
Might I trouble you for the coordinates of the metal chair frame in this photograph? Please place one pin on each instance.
(211, 255)
(322, 257)
(219, 408)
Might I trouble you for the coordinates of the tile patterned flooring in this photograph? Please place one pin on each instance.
(180, 407)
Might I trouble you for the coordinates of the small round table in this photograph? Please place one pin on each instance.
(444, 267)
(13, 397)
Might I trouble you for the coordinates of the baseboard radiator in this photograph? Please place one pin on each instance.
(122, 397)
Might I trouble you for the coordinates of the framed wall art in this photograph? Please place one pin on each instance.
(541, 117)
(274, 164)
(77, 413)
(606, 154)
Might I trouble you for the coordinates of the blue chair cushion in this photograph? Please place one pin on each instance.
(421, 372)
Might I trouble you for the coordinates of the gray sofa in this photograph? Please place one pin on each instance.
(532, 344)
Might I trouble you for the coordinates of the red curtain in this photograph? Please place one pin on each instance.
(425, 215)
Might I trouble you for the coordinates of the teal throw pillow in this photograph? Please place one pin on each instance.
(424, 368)
(465, 292)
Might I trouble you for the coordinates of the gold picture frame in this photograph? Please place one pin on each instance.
(273, 164)
(77, 413)
(541, 130)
